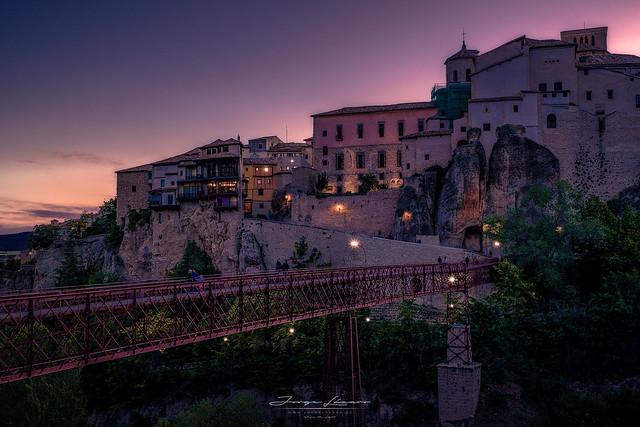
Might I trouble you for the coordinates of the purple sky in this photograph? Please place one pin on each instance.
(89, 87)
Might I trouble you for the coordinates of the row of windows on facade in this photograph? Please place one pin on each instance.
(382, 160)
(215, 150)
(585, 40)
(381, 129)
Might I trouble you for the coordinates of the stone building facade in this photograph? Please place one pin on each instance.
(132, 187)
(353, 141)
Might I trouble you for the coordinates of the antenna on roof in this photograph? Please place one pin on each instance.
(463, 41)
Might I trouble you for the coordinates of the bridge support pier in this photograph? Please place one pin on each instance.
(341, 373)
(458, 379)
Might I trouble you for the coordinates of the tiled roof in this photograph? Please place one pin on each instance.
(189, 155)
(141, 168)
(608, 59)
(377, 108)
(463, 53)
(427, 134)
(290, 146)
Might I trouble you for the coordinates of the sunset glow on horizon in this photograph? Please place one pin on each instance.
(90, 88)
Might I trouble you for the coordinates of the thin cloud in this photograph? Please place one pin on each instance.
(21, 215)
(73, 156)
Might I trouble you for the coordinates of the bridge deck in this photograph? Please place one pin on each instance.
(48, 331)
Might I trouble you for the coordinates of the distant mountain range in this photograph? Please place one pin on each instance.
(15, 242)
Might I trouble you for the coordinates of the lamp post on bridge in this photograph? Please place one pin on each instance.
(355, 244)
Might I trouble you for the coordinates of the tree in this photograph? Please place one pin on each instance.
(368, 182)
(195, 258)
(44, 235)
(70, 273)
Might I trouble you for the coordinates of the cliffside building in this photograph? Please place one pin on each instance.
(353, 141)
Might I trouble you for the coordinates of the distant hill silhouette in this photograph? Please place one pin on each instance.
(15, 242)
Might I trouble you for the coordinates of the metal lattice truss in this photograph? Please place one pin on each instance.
(48, 331)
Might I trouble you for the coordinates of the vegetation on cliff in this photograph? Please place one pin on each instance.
(193, 258)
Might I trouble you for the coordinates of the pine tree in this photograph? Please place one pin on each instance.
(70, 273)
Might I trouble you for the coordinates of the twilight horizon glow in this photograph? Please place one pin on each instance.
(91, 88)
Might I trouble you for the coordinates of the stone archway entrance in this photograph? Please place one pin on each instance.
(472, 238)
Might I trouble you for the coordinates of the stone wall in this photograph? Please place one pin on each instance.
(128, 199)
(372, 214)
(277, 244)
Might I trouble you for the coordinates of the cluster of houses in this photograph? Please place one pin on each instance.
(571, 95)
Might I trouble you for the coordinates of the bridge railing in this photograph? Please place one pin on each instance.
(54, 330)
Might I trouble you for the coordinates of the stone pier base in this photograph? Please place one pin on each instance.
(458, 391)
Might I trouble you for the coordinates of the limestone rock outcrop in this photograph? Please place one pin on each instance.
(461, 197)
(250, 256)
(516, 163)
(417, 206)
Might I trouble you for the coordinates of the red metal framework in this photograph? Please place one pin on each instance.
(47, 331)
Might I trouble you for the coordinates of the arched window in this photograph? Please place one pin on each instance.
(575, 40)
(581, 40)
(552, 121)
(593, 41)
(467, 74)
(455, 75)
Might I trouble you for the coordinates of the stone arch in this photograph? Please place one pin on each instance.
(552, 121)
(472, 238)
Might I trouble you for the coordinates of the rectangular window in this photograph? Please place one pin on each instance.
(382, 159)
(400, 127)
(360, 160)
(338, 132)
(427, 157)
(225, 149)
(324, 163)
(420, 125)
(339, 161)
(463, 128)
(162, 183)
(399, 158)
(260, 192)
(325, 150)
(515, 108)
(324, 133)
(149, 175)
(133, 188)
(637, 101)
(381, 176)
(486, 126)
(610, 94)
(588, 95)
(408, 165)
(381, 129)
(557, 86)
(339, 178)
(441, 125)
(159, 217)
(360, 130)
(542, 87)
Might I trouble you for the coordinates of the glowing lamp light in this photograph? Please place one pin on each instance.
(292, 331)
(450, 305)
(559, 229)
(291, 160)
(339, 208)
(496, 244)
(266, 169)
(367, 319)
(452, 279)
(354, 243)
(225, 339)
(406, 216)
(287, 197)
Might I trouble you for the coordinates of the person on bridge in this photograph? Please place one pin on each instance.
(194, 275)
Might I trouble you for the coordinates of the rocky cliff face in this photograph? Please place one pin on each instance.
(461, 199)
(417, 205)
(473, 188)
(516, 163)
(250, 257)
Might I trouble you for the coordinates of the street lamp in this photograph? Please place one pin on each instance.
(355, 244)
